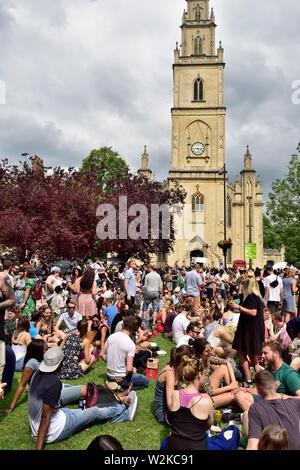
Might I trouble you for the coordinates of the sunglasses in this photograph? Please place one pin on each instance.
(71, 308)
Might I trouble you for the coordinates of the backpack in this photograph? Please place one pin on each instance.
(100, 396)
(37, 292)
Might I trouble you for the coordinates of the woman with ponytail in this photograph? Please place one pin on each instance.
(166, 383)
(191, 412)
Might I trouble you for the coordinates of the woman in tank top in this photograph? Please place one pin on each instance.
(191, 412)
(166, 383)
(20, 341)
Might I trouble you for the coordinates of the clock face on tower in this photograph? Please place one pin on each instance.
(198, 148)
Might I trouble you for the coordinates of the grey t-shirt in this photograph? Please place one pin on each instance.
(153, 282)
(285, 413)
(193, 282)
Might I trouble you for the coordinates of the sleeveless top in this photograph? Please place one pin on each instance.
(188, 432)
(19, 350)
(160, 399)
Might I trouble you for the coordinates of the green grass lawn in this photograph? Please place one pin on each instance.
(144, 433)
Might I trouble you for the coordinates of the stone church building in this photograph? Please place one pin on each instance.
(213, 206)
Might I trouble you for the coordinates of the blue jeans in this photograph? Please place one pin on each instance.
(19, 364)
(138, 381)
(153, 297)
(76, 420)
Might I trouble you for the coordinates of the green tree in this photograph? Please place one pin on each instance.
(283, 211)
(107, 166)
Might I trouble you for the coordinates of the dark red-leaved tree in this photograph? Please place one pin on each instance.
(134, 218)
(52, 211)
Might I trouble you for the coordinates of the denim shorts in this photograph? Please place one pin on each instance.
(257, 398)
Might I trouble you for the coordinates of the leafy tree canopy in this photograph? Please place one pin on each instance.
(107, 166)
(282, 221)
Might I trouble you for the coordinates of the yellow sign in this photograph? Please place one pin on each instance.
(250, 250)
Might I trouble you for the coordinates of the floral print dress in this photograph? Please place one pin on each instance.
(72, 349)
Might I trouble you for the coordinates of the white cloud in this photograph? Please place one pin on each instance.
(80, 74)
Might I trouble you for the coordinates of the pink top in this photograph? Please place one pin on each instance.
(185, 398)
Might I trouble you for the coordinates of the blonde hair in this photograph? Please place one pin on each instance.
(251, 286)
(273, 437)
(290, 273)
(190, 368)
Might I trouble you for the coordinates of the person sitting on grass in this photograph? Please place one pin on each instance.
(34, 356)
(273, 438)
(70, 318)
(287, 378)
(20, 341)
(274, 408)
(167, 381)
(49, 422)
(119, 355)
(77, 352)
(215, 370)
(191, 412)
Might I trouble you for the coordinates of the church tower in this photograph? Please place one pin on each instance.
(198, 147)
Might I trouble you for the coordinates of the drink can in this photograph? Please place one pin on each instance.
(218, 415)
(82, 404)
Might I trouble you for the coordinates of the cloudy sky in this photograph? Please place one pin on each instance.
(81, 74)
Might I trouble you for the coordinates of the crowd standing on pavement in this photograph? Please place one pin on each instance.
(235, 359)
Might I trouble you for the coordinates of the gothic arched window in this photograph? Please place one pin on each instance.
(229, 212)
(198, 90)
(197, 203)
(198, 46)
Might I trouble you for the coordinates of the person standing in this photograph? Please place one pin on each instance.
(273, 290)
(29, 304)
(289, 295)
(250, 333)
(7, 301)
(130, 283)
(193, 282)
(153, 291)
(220, 279)
(51, 282)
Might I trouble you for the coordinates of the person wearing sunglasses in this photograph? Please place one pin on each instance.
(192, 332)
(70, 318)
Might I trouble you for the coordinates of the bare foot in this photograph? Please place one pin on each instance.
(124, 394)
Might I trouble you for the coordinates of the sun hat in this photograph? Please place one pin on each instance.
(52, 359)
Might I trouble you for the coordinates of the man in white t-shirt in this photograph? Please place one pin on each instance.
(119, 353)
(192, 332)
(273, 290)
(51, 282)
(180, 325)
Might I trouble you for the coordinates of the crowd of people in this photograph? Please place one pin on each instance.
(235, 355)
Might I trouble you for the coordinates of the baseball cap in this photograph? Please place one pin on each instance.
(55, 269)
(52, 359)
(177, 289)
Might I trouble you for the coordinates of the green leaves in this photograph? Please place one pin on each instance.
(282, 223)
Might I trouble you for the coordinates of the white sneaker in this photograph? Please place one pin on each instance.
(132, 409)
